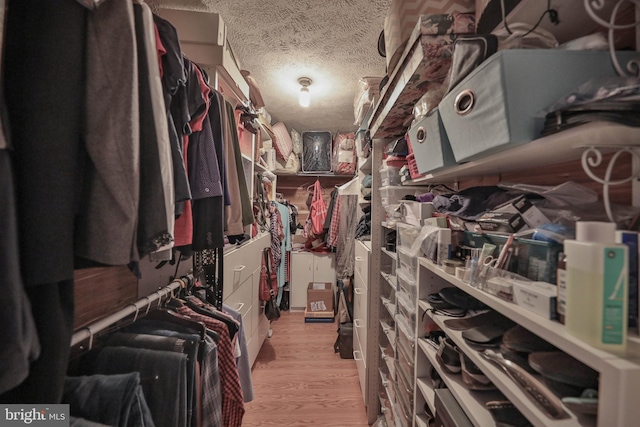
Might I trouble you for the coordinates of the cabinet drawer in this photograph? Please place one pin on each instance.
(361, 365)
(241, 299)
(362, 261)
(360, 312)
(240, 263)
(256, 313)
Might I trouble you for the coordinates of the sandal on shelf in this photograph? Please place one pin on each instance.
(448, 357)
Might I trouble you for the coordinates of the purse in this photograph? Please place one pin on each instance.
(271, 309)
(318, 210)
(268, 279)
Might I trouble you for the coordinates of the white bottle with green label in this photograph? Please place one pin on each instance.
(597, 286)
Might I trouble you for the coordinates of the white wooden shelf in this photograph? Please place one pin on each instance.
(391, 280)
(574, 20)
(549, 330)
(553, 149)
(427, 392)
(388, 360)
(392, 255)
(619, 374)
(473, 402)
(508, 387)
(390, 332)
(364, 165)
(422, 421)
(391, 308)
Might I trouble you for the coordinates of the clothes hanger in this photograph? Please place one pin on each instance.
(212, 312)
(169, 316)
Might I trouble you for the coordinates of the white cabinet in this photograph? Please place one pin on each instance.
(241, 280)
(307, 267)
(361, 312)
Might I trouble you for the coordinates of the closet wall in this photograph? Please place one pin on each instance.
(294, 189)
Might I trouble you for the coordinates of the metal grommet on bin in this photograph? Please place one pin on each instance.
(421, 135)
(464, 102)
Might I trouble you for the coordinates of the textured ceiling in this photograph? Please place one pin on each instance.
(333, 42)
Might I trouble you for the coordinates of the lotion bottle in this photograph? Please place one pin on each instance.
(597, 286)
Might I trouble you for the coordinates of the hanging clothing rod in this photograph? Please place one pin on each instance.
(88, 332)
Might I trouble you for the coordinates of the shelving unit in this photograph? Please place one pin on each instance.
(619, 374)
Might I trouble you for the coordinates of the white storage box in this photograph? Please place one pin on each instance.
(538, 297)
(415, 213)
(390, 195)
(203, 39)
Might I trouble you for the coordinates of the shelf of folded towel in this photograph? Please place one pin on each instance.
(618, 374)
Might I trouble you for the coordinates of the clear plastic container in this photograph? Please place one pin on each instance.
(389, 176)
(407, 309)
(407, 261)
(407, 234)
(393, 194)
(407, 283)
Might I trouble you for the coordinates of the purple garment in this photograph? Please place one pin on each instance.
(425, 198)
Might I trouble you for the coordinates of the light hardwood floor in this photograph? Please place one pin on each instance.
(299, 381)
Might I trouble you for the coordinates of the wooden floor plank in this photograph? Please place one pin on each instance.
(299, 381)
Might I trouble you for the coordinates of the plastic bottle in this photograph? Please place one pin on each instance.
(597, 286)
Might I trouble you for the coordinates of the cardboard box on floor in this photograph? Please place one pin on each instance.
(319, 297)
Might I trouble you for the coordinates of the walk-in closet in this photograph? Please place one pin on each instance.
(387, 213)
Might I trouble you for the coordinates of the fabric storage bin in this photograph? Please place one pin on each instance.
(389, 176)
(415, 213)
(317, 151)
(402, 16)
(508, 91)
(430, 144)
(390, 194)
(424, 64)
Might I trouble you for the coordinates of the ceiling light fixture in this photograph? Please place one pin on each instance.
(304, 97)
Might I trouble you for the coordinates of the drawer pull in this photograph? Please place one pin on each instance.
(464, 102)
(240, 305)
(355, 355)
(239, 268)
(421, 135)
(358, 291)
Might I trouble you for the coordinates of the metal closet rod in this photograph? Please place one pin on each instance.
(88, 332)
